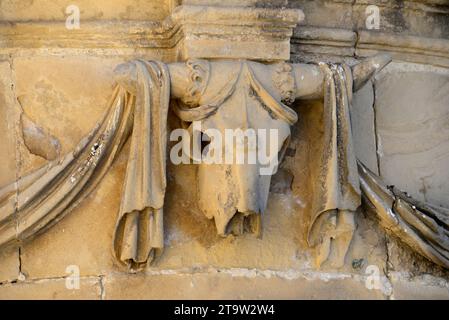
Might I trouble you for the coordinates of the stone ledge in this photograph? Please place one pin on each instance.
(92, 34)
(229, 286)
(224, 32)
(196, 32)
(346, 43)
(421, 5)
(419, 288)
(330, 41)
(89, 289)
(408, 48)
(232, 284)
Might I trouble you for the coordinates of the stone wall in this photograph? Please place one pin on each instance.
(62, 82)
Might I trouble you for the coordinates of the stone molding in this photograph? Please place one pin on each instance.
(363, 43)
(224, 32)
(408, 48)
(194, 31)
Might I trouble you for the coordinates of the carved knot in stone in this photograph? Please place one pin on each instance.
(199, 72)
(284, 80)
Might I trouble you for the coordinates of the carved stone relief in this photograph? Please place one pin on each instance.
(213, 95)
(220, 95)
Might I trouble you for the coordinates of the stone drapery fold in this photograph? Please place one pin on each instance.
(139, 231)
(422, 226)
(337, 185)
(38, 200)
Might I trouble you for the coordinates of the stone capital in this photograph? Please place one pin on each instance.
(235, 32)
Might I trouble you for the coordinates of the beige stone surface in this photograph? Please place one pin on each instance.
(368, 246)
(10, 264)
(236, 3)
(8, 118)
(282, 245)
(23, 10)
(415, 31)
(192, 239)
(54, 93)
(51, 289)
(63, 82)
(233, 32)
(421, 288)
(83, 238)
(235, 284)
(402, 259)
(424, 18)
(412, 125)
(334, 14)
(363, 126)
(9, 258)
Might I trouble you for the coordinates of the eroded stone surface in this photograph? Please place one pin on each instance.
(55, 93)
(420, 288)
(412, 124)
(9, 115)
(363, 126)
(10, 264)
(68, 93)
(8, 125)
(235, 284)
(83, 238)
(51, 289)
(103, 10)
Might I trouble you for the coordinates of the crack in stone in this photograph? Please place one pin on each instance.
(102, 287)
(387, 269)
(21, 276)
(43, 280)
(17, 161)
(376, 133)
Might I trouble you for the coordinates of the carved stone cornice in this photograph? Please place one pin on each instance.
(348, 43)
(340, 42)
(194, 31)
(407, 48)
(92, 34)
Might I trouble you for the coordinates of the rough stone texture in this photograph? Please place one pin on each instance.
(424, 18)
(9, 267)
(54, 92)
(10, 264)
(228, 32)
(237, 3)
(8, 119)
(190, 232)
(55, 289)
(403, 260)
(364, 132)
(420, 288)
(334, 14)
(83, 238)
(47, 10)
(410, 132)
(236, 284)
(414, 31)
(367, 246)
(413, 133)
(427, 19)
(65, 90)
